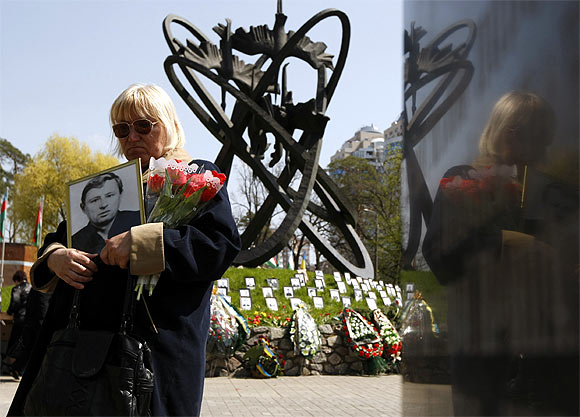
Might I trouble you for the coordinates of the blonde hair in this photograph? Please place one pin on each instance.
(151, 102)
(526, 115)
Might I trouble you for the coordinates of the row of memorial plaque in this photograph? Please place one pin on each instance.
(359, 285)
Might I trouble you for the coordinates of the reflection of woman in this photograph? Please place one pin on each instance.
(496, 276)
(189, 259)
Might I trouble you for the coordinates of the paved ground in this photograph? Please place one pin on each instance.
(337, 396)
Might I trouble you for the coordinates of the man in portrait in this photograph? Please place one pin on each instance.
(100, 201)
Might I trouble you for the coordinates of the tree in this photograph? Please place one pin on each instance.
(376, 194)
(60, 161)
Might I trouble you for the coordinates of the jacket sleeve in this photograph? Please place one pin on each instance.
(199, 251)
(455, 236)
(42, 278)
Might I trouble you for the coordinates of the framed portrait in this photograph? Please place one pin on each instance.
(334, 295)
(318, 273)
(341, 287)
(358, 294)
(372, 295)
(272, 303)
(222, 291)
(273, 282)
(224, 283)
(267, 292)
(311, 292)
(244, 292)
(383, 293)
(372, 303)
(250, 282)
(354, 284)
(346, 302)
(318, 302)
(364, 287)
(295, 302)
(245, 303)
(288, 292)
(387, 301)
(347, 277)
(319, 284)
(337, 276)
(104, 205)
(295, 282)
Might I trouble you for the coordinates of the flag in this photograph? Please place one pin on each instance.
(303, 265)
(3, 215)
(38, 228)
(272, 263)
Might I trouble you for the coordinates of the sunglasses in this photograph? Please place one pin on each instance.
(141, 126)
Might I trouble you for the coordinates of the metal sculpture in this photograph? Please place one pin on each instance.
(422, 66)
(255, 114)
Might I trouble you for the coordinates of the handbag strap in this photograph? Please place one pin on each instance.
(128, 306)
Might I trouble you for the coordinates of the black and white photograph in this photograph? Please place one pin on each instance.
(273, 282)
(318, 302)
(334, 294)
(347, 278)
(383, 294)
(311, 292)
(337, 276)
(372, 295)
(245, 303)
(223, 283)
(250, 282)
(295, 282)
(387, 301)
(267, 292)
(358, 294)
(288, 292)
(244, 292)
(319, 284)
(355, 284)
(318, 273)
(295, 302)
(341, 287)
(272, 303)
(372, 303)
(346, 302)
(104, 205)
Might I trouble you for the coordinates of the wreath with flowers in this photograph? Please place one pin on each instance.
(390, 337)
(304, 333)
(263, 360)
(361, 335)
(228, 329)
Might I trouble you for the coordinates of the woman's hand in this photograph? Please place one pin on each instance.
(117, 250)
(73, 266)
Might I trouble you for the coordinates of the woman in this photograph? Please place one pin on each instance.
(17, 308)
(478, 245)
(189, 259)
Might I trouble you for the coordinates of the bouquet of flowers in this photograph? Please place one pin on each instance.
(263, 360)
(364, 339)
(391, 339)
(176, 193)
(228, 329)
(304, 333)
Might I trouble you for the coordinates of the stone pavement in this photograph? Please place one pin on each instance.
(337, 396)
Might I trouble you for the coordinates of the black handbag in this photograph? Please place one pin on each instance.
(94, 373)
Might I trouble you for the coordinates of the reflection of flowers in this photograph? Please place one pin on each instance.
(391, 339)
(361, 335)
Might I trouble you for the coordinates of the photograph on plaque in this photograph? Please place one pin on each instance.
(288, 292)
(319, 284)
(398, 289)
(358, 294)
(372, 295)
(383, 293)
(337, 276)
(410, 288)
(222, 291)
(295, 282)
(104, 205)
(347, 277)
(364, 287)
(272, 303)
(223, 283)
(244, 292)
(354, 284)
(391, 290)
(311, 292)
(318, 302)
(346, 302)
(245, 303)
(318, 273)
(295, 302)
(250, 282)
(334, 294)
(267, 292)
(341, 287)
(273, 282)
(410, 295)
(372, 303)
(387, 301)
(359, 279)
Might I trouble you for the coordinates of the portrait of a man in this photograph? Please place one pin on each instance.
(104, 210)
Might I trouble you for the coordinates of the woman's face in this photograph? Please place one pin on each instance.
(142, 146)
(522, 149)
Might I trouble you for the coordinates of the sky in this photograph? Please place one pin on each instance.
(64, 62)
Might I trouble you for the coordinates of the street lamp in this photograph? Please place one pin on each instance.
(376, 242)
